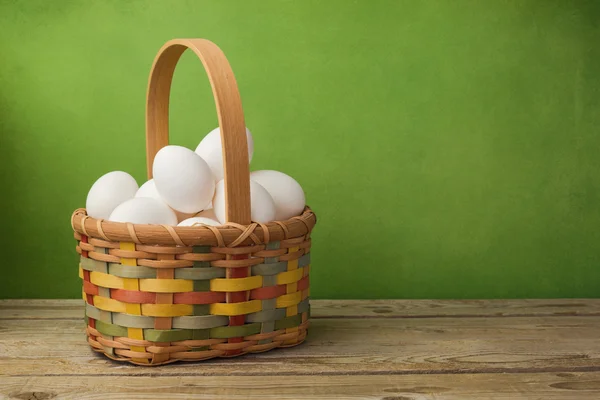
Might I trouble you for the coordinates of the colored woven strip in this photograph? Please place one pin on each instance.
(152, 311)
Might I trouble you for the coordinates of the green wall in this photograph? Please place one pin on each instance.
(449, 148)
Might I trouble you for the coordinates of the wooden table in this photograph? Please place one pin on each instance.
(385, 350)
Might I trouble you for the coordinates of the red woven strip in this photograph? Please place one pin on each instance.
(268, 292)
(303, 283)
(237, 297)
(84, 239)
(198, 298)
(133, 296)
(86, 278)
(90, 289)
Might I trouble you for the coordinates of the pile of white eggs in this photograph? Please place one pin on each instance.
(188, 190)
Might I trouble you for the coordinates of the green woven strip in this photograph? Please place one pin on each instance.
(174, 335)
(126, 320)
(201, 309)
(101, 265)
(201, 249)
(92, 312)
(105, 316)
(269, 305)
(200, 322)
(97, 314)
(226, 332)
(199, 273)
(200, 334)
(288, 322)
(266, 315)
(171, 335)
(303, 306)
(90, 264)
(273, 245)
(304, 260)
(133, 321)
(201, 286)
(269, 269)
(110, 329)
(131, 271)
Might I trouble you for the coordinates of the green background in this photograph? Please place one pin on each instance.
(449, 148)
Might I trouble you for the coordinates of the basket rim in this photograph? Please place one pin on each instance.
(230, 234)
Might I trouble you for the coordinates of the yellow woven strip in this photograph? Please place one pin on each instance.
(107, 304)
(289, 300)
(167, 310)
(289, 277)
(80, 271)
(292, 287)
(232, 309)
(236, 284)
(84, 296)
(105, 280)
(166, 285)
(134, 309)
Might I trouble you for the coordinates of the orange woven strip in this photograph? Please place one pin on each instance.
(89, 288)
(303, 283)
(84, 239)
(133, 296)
(268, 292)
(198, 297)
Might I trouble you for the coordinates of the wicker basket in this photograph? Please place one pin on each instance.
(158, 294)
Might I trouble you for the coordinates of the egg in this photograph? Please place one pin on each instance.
(208, 213)
(199, 221)
(286, 192)
(262, 207)
(183, 179)
(144, 210)
(148, 189)
(108, 192)
(210, 149)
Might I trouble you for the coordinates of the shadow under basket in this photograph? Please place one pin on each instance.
(157, 294)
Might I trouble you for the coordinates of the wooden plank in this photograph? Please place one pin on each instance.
(563, 386)
(338, 346)
(73, 309)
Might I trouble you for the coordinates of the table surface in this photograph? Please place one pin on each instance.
(383, 349)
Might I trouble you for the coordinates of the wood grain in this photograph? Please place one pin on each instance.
(73, 309)
(341, 346)
(386, 350)
(564, 386)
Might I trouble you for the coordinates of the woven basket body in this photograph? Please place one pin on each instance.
(157, 294)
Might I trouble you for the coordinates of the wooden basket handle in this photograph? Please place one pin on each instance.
(229, 112)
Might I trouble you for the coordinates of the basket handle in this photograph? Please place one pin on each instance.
(229, 112)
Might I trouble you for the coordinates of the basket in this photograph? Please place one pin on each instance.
(157, 294)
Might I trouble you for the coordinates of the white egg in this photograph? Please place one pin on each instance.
(286, 192)
(262, 207)
(183, 179)
(144, 210)
(199, 221)
(108, 192)
(148, 189)
(210, 149)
